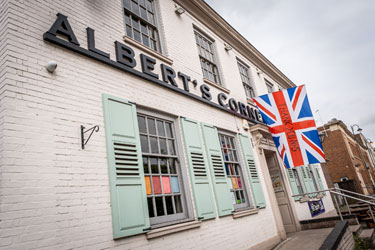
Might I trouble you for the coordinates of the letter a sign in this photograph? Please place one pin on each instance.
(288, 116)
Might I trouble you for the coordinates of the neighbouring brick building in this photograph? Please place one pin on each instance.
(349, 167)
(130, 125)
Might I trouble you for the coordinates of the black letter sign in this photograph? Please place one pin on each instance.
(125, 55)
(62, 26)
(91, 43)
(206, 92)
(148, 65)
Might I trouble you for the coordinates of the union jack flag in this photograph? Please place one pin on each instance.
(290, 121)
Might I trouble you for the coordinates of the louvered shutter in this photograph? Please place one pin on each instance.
(306, 180)
(218, 175)
(319, 179)
(128, 193)
(293, 183)
(256, 185)
(311, 181)
(203, 196)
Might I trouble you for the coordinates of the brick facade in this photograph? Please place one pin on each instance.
(344, 159)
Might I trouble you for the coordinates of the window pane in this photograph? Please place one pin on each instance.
(172, 166)
(127, 4)
(145, 40)
(135, 8)
(169, 130)
(154, 145)
(135, 23)
(163, 166)
(142, 124)
(129, 31)
(151, 126)
(154, 165)
(172, 150)
(177, 202)
(145, 165)
(143, 13)
(150, 207)
(144, 144)
(160, 128)
(156, 184)
(163, 146)
(159, 206)
(169, 204)
(137, 36)
(144, 28)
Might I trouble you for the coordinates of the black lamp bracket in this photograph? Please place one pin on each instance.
(93, 129)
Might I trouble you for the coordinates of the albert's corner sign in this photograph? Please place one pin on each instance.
(125, 60)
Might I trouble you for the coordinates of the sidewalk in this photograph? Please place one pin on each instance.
(308, 239)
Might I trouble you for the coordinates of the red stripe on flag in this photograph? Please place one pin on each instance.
(282, 152)
(313, 146)
(288, 128)
(299, 89)
(265, 110)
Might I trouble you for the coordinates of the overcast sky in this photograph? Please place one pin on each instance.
(328, 45)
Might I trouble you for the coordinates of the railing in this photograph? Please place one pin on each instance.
(338, 192)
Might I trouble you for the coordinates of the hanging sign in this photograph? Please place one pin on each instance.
(316, 207)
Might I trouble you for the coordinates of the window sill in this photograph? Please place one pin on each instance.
(139, 45)
(243, 213)
(250, 101)
(214, 84)
(159, 232)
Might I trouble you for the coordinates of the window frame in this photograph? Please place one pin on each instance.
(249, 202)
(269, 86)
(214, 53)
(186, 200)
(251, 84)
(159, 45)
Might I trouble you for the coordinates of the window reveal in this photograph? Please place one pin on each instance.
(246, 81)
(140, 22)
(234, 171)
(161, 171)
(207, 58)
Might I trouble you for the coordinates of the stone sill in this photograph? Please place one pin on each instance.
(243, 213)
(250, 101)
(307, 198)
(159, 232)
(140, 46)
(214, 84)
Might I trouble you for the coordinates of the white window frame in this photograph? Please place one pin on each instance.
(184, 180)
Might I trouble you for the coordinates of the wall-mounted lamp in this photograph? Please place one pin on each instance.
(51, 66)
(227, 47)
(179, 10)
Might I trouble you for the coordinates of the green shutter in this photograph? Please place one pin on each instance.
(293, 183)
(256, 185)
(311, 181)
(128, 193)
(319, 179)
(307, 180)
(204, 201)
(218, 175)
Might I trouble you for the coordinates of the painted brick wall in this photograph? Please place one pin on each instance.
(55, 195)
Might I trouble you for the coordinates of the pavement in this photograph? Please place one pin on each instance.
(307, 239)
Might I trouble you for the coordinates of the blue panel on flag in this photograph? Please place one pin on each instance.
(291, 92)
(313, 136)
(267, 120)
(266, 99)
(305, 110)
(286, 162)
(311, 158)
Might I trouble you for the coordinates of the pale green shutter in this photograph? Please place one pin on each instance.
(218, 175)
(293, 183)
(256, 185)
(128, 193)
(319, 179)
(311, 181)
(204, 201)
(306, 176)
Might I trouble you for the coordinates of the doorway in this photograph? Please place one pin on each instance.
(281, 193)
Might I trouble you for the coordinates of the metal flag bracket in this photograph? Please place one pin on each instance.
(93, 129)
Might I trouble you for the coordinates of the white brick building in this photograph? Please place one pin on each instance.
(205, 181)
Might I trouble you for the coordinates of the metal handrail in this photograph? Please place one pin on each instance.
(358, 194)
(339, 193)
